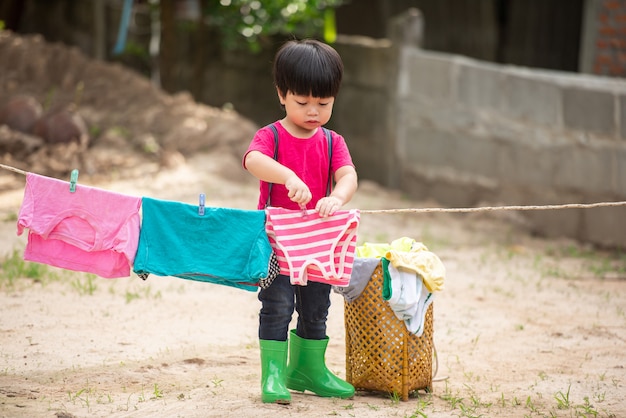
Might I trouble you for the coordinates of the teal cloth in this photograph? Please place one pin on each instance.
(224, 246)
(386, 279)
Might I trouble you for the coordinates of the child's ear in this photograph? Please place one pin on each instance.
(281, 96)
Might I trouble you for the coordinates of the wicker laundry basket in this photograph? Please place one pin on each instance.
(381, 354)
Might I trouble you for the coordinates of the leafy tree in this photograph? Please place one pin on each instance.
(249, 21)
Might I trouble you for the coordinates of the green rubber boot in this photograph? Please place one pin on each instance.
(273, 365)
(307, 369)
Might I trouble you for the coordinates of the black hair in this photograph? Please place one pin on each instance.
(308, 67)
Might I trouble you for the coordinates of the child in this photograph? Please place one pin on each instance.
(307, 75)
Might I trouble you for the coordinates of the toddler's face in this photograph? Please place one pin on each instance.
(307, 112)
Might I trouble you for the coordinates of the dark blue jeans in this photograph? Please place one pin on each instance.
(278, 301)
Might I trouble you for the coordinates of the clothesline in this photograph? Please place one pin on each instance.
(494, 208)
(455, 210)
(13, 169)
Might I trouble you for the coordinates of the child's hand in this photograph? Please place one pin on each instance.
(298, 191)
(326, 206)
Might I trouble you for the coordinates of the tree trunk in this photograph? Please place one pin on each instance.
(200, 53)
(167, 51)
(11, 13)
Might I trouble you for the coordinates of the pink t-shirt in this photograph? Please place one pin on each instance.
(308, 158)
(90, 230)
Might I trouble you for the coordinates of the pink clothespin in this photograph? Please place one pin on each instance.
(303, 210)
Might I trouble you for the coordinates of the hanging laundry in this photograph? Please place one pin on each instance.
(310, 247)
(407, 295)
(88, 230)
(273, 272)
(224, 246)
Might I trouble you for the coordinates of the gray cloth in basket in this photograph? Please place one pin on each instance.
(362, 270)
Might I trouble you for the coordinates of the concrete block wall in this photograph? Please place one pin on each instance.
(472, 133)
(363, 110)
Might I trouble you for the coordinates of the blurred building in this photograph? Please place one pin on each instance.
(569, 35)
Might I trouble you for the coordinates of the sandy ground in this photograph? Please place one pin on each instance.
(524, 327)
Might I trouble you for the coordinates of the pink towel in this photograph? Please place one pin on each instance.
(90, 230)
(309, 247)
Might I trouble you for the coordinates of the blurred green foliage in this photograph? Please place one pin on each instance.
(249, 21)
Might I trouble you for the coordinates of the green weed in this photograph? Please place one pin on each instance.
(562, 399)
(85, 287)
(419, 412)
(145, 292)
(82, 397)
(586, 410)
(373, 407)
(395, 398)
(10, 217)
(14, 268)
(452, 400)
(157, 393)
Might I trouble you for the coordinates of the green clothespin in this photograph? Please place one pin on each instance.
(73, 180)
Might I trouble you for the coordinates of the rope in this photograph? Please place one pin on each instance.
(15, 170)
(455, 210)
(492, 208)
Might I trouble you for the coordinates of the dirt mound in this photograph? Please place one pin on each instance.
(129, 121)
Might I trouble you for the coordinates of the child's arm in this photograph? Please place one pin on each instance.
(346, 182)
(267, 169)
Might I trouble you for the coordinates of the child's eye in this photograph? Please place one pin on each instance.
(323, 104)
(301, 103)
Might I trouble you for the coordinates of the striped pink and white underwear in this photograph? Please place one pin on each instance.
(309, 247)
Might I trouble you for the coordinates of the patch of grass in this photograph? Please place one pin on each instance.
(469, 411)
(217, 382)
(531, 405)
(394, 397)
(157, 393)
(130, 296)
(81, 397)
(95, 131)
(121, 131)
(10, 217)
(14, 268)
(373, 407)
(452, 400)
(85, 287)
(420, 411)
(87, 396)
(586, 409)
(145, 292)
(597, 262)
(562, 399)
